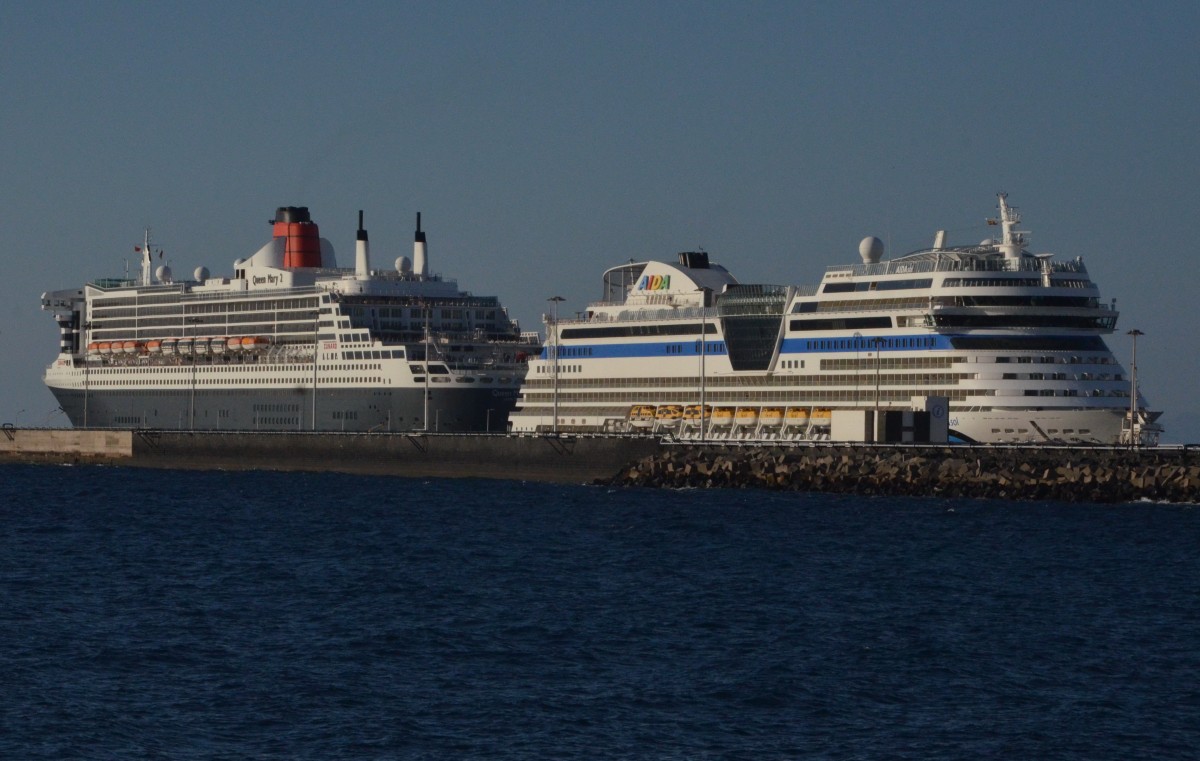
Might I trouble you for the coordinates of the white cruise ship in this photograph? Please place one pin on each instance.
(289, 342)
(1014, 341)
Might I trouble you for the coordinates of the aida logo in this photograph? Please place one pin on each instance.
(654, 283)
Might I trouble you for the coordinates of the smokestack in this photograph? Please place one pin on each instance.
(362, 252)
(420, 263)
(302, 238)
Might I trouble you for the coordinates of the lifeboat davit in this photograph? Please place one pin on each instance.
(168, 346)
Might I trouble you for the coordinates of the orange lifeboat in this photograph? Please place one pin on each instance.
(669, 414)
(641, 414)
(722, 416)
(797, 415)
(746, 415)
(93, 348)
(154, 347)
(771, 416)
(131, 347)
(234, 344)
(104, 347)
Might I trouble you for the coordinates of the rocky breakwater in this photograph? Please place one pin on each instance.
(1027, 473)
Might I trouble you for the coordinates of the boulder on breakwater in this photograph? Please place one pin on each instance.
(1027, 473)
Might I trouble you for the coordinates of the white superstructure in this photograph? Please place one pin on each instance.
(1012, 339)
(289, 342)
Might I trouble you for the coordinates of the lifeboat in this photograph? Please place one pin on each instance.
(254, 343)
(185, 345)
(234, 344)
(93, 348)
(746, 415)
(693, 413)
(104, 347)
(154, 347)
(796, 415)
(821, 416)
(771, 416)
(200, 346)
(217, 345)
(669, 413)
(168, 346)
(641, 414)
(132, 347)
(722, 416)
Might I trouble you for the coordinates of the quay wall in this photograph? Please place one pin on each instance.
(532, 458)
(1026, 473)
(55, 445)
(1032, 473)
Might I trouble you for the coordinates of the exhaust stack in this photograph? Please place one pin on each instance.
(420, 263)
(362, 252)
(303, 239)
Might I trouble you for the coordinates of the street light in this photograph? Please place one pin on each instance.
(857, 346)
(87, 327)
(192, 407)
(554, 300)
(1133, 438)
(878, 343)
(703, 352)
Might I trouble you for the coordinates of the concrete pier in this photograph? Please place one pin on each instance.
(1033, 473)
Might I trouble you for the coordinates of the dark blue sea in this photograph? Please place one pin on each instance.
(177, 615)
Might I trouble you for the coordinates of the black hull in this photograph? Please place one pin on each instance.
(451, 410)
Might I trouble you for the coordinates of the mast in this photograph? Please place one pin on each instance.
(1013, 240)
(147, 260)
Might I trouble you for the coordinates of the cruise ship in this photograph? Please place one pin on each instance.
(289, 342)
(1013, 341)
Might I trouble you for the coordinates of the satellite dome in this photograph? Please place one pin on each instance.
(870, 249)
(403, 265)
(201, 274)
(163, 273)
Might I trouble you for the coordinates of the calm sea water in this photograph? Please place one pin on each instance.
(158, 614)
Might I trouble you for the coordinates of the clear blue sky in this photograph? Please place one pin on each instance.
(545, 142)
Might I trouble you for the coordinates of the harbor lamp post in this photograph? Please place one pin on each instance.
(857, 346)
(554, 301)
(703, 352)
(87, 327)
(1134, 439)
(193, 321)
(878, 342)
